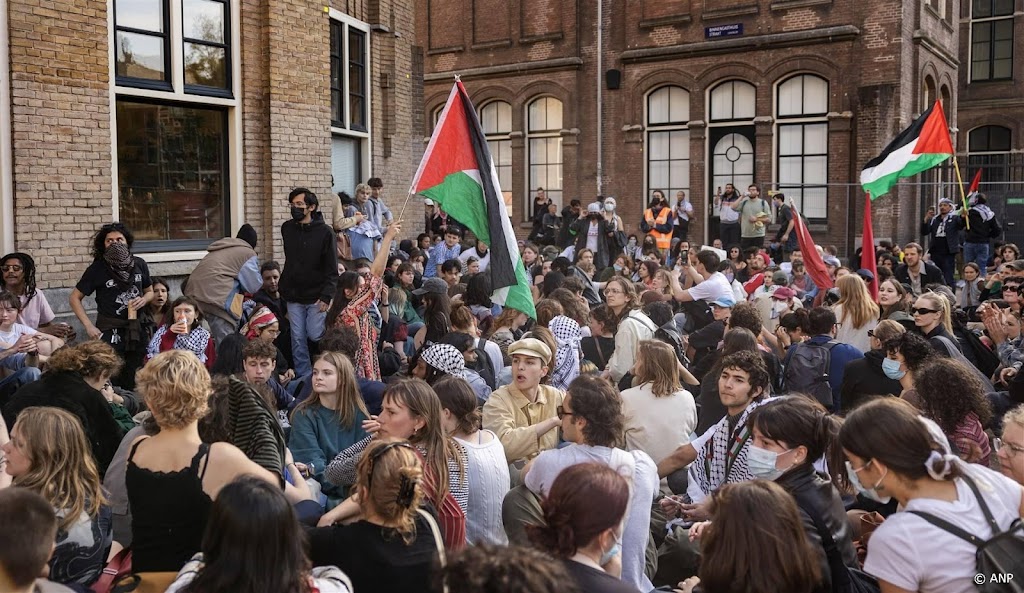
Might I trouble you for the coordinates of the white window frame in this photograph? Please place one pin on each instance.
(499, 136)
(178, 94)
(366, 137)
(970, 44)
(651, 128)
(802, 121)
(532, 135)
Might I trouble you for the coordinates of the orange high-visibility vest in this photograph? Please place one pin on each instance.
(662, 240)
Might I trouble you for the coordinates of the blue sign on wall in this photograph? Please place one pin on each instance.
(723, 31)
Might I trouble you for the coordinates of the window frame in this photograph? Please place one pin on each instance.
(991, 22)
(199, 89)
(733, 118)
(548, 133)
(994, 161)
(345, 128)
(174, 94)
(803, 121)
(504, 137)
(668, 127)
(337, 61)
(144, 83)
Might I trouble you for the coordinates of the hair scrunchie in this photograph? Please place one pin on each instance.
(934, 458)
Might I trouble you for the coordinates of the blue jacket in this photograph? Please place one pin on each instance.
(841, 354)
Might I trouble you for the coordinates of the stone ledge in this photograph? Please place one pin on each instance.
(757, 42)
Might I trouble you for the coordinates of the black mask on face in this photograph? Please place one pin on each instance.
(298, 213)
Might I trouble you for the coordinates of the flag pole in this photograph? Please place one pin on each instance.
(963, 194)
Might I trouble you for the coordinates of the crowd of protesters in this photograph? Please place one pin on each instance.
(367, 417)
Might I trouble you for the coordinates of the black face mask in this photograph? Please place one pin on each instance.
(298, 213)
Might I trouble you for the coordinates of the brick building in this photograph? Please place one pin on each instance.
(691, 94)
(186, 118)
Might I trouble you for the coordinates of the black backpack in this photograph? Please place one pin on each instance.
(483, 365)
(807, 371)
(999, 558)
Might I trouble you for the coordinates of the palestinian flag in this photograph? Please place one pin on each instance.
(457, 172)
(925, 144)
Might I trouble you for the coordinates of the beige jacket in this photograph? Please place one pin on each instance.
(511, 416)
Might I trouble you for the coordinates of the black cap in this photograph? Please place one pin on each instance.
(247, 234)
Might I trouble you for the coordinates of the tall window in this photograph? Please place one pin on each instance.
(668, 141)
(496, 120)
(544, 147)
(142, 42)
(349, 76)
(928, 93)
(802, 136)
(174, 150)
(733, 100)
(732, 106)
(991, 40)
(988, 149)
(350, 100)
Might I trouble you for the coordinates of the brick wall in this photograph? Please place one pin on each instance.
(60, 132)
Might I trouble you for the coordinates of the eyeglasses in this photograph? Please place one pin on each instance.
(562, 413)
(1011, 449)
(871, 333)
(380, 453)
(839, 325)
(917, 311)
(1011, 287)
(11, 268)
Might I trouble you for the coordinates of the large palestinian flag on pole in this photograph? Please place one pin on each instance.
(925, 144)
(457, 172)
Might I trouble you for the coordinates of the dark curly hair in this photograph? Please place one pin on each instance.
(915, 349)
(101, 235)
(500, 569)
(604, 315)
(28, 266)
(950, 390)
(751, 363)
(746, 315)
(595, 399)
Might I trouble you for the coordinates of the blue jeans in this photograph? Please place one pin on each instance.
(307, 323)
(22, 376)
(362, 246)
(977, 253)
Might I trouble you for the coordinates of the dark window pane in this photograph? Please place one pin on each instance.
(205, 65)
(1002, 7)
(981, 32)
(358, 107)
(140, 56)
(172, 171)
(203, 20)
(355, 79)
(337, 117)
(981, 8)
(337, 76)
(147, 15)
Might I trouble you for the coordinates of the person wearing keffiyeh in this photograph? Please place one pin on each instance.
(181, 330)
(567, 357)
(123, 288)
(982, 227)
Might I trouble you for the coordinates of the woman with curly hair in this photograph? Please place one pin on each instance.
(600, 344)
(390, 548)
(953, 396)
(48, 453)
(905, 354)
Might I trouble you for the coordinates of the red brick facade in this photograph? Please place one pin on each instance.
(874, 55)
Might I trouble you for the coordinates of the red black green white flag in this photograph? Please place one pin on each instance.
(925, 144)
(457, 173)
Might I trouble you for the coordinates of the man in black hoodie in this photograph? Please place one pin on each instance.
(310, 274)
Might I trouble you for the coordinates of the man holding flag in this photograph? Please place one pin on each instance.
(983, 226)
(458, 175)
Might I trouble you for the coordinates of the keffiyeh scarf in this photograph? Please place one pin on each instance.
(567, 358)
(445, 358)
(723, 459)
(260, 318)
(120, 263)
(195, 341)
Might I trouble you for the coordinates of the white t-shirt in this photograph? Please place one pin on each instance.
(592, 234)
(35, 312)
(8, 338)
(465, 255)
(713, 288)
(550, 463)
(658, 425)
(915, 555)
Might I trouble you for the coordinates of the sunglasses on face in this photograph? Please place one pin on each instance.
(917, 311)
(1011, 287)
(10, 268)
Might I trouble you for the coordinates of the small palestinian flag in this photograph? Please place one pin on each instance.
(458, 174)
(925, 144)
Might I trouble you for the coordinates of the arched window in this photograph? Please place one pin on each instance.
(668, 141)
(496, 121)
(801, 109)
(928, 94)
(988, 148)
(733, 100)
(544, 150)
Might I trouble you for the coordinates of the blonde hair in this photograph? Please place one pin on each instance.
(382, 472)
(666, 278)
(175, 387)
(888, 329)
(657, 364)
(858, 307)
(88, 359)
(942, 304)
(62, 469)
(350, 400)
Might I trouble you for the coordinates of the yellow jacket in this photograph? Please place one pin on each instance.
(511, 416)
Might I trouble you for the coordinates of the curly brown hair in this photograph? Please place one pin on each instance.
(746, 315)
(950, 391)
(597, 400)
(88, 359)
(501, 569)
